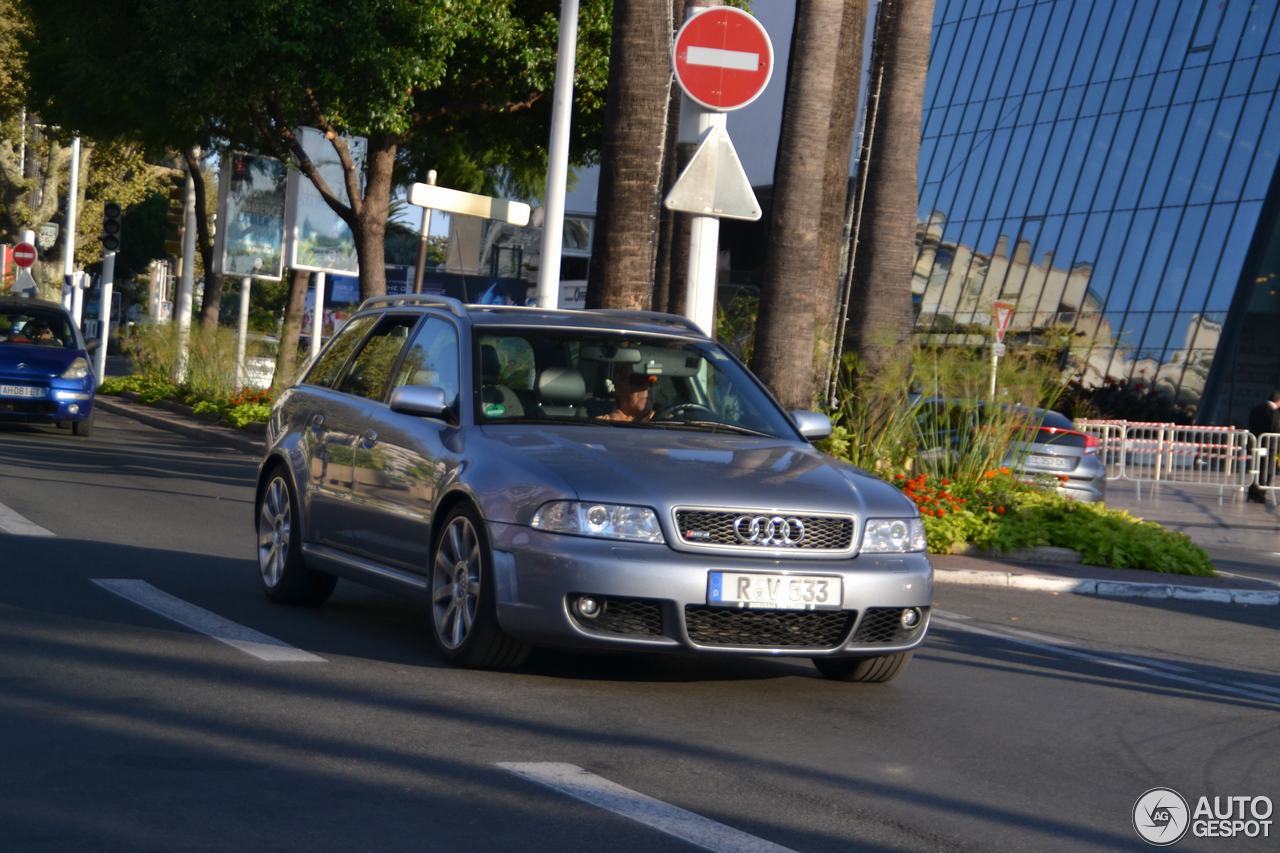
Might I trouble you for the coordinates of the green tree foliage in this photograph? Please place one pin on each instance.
(462, 86)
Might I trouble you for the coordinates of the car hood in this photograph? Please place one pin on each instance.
(35, 362)
(665, 468)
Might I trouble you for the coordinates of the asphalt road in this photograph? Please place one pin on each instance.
(1028, 722)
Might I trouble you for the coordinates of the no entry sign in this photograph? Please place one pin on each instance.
(722, 58)
(24, 255)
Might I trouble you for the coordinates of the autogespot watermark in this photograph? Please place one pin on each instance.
(1162, 817)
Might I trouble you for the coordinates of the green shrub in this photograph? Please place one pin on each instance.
(248, 413)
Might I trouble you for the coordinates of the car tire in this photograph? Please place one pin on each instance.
(875, 670)
(284, 575)
(83, 428)
(463, 609)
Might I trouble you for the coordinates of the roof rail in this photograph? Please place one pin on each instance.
(652, 317)
(428, 299)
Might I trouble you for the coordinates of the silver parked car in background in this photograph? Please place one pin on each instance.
(582, 479)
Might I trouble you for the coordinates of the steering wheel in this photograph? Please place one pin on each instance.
(683, 408)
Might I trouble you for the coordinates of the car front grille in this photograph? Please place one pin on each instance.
(632, 616)
(716, 528)
(883, 626)
(815, 629)
(28, 408)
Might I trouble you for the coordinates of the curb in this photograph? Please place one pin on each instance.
(1108, 589)
(216, 435)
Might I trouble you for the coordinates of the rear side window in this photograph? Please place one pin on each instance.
(330, 363)
(370, 373)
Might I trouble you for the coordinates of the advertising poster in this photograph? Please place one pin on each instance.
(317, 238)
(250, 235)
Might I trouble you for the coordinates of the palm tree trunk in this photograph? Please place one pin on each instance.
(784, 347)
(880, 310)
(835, 191)
(635, 133)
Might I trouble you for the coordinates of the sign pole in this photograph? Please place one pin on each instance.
(424, 235)
(242, 330)
(104, 314)
(69, 232)
(558, 159)
(1002, 313)
(317, 316)
(185, 284)
(704, 250)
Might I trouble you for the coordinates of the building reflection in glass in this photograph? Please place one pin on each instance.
(1108, 166)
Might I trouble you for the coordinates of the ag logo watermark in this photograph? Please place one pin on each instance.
(1162, 816)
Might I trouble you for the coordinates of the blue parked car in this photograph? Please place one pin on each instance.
(46, 375)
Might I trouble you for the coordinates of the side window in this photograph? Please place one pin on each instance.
(433, 359)
(327, 367)
(370, 373)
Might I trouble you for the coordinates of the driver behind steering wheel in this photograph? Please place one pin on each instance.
(632, 395)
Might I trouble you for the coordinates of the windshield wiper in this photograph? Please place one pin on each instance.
(713, 426)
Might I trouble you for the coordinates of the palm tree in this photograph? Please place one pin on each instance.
(880, 311)
(784, 346)
(636, 118)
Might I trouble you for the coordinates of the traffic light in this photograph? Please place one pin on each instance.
(111, 223)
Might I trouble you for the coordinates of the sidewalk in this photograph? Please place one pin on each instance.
(1022, 573)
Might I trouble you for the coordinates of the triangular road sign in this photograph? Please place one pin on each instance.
(1003, 314)
(714, 183)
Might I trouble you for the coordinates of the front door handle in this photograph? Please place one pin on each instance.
(369, 439)
(317, 421)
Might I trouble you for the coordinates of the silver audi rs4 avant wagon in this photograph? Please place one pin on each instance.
(582, 479)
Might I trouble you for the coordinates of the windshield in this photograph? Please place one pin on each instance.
(628, 381)
(35, 327)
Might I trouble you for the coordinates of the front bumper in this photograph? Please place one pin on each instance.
(662, 594)
(60, 403)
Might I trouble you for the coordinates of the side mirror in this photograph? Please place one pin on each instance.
(421, 400)
(812, 425)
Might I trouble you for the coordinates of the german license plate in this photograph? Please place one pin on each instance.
(20, 391)
(754, 590)
(1058, 463)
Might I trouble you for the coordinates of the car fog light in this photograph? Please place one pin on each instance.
(910, 617)
(73, 409)
(587, 606)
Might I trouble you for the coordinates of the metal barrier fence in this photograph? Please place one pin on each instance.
(1225, 457)
(1268, 454)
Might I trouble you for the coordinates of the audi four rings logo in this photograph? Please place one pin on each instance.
(763, 530)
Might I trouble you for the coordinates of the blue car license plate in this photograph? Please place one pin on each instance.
(24, 391)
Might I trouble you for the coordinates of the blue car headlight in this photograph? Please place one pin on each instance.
(893, 536)
(605, 521)
(77, 369)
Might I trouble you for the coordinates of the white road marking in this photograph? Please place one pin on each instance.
(202, 621)
(734, 60)
(17, 525)
(1150, 669)
(575, 782)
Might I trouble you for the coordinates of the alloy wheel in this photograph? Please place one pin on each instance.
(274, 527)
(455, 583)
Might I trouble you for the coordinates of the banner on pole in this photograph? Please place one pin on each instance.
(251, 200)
(316, 238)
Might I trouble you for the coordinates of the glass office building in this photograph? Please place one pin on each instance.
(1109, 166)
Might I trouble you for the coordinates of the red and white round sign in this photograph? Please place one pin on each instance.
(24, 255)
(722, 58)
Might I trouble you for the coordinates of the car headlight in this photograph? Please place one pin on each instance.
(78, 369)
(892, 536)
(606, 521)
